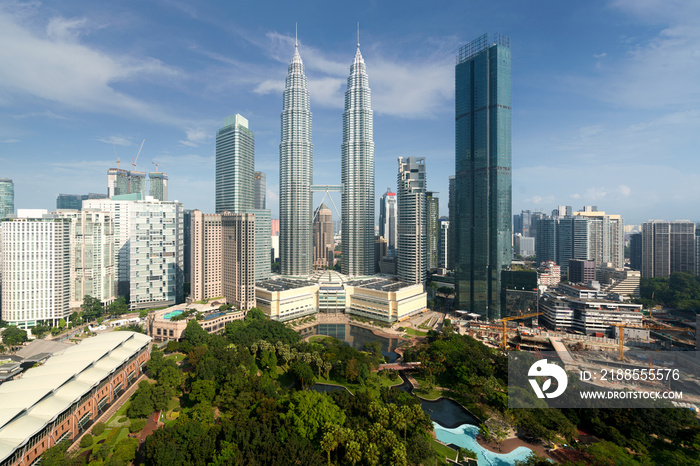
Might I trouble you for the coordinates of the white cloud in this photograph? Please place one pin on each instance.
(117, 140)
(64, 29)
(9, 141)
(624, 190)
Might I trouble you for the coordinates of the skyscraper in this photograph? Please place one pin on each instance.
(412, 261)
(433, 228)
(259, 191)
(235, 161)
(667, 247)
(387, 220)
(7, 197)
(117, 182)
(357, 160)
(206, 263)
(263, 243)
(324, 243)
(452, 208)
(482, 174)
(444, 243)
(238, 259)
(296, 173)
(158, 186)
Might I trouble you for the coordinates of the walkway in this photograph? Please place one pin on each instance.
(110, 411)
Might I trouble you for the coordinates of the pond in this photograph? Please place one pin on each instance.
(355, 336)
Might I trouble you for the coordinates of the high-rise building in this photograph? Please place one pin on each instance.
(636, 251)
(561, 239)
(35, 258)
(324, 244)
(444, 243)
(667, 247)
(149, 249)
(238, 259)
(387, 220)
(158, 186)
(92, 267)
(433, 228)
(263, 243)
(357, 174)
(235, 162)
(606, 240)
(260, 192)
(137, 183)
(483, 220)
(205, 256)
(296, 173)
(452, 208)
(563, 211)
(75, 201)
(412, 261)
(118, 182)
(7, 197)
(581, 271)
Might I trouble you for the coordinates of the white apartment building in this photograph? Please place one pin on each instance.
(238, 259)
(149, 249)
(92, 266)
(35, 262)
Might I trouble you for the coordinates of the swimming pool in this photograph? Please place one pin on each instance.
(214, 316)
(465, 437)
(172, 314)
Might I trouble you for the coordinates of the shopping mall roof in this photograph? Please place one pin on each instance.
(44, 392)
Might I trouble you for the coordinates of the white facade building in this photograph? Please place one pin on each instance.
(92, 266)
(35, 262)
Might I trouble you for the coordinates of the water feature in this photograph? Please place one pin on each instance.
(355, 336)
(172, 314)
(465, 436)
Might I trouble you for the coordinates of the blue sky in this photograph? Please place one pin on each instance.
(606, 94)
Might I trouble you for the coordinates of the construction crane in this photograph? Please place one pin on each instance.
(157, 165)
(621, 335)
(133, 161)
(505, 320)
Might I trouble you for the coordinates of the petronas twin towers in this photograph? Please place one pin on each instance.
(296, 174)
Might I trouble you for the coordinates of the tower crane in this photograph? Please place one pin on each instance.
(621, 335)
(504, 321)
(157, 165)
(133, 161)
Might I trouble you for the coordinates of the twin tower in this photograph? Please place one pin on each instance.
(357, 174)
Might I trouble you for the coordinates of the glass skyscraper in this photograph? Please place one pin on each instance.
(7, 197)
(483, 214)
(387, 220)
(412, 261)
(357, 159)
(296, 174)
(235, 161)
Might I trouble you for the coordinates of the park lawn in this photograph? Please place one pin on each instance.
(431, 394)
(121, 412)
(374, 383)
(415, 332)
(319, 338)
(424, 324)
(443, 451)
(177, 357)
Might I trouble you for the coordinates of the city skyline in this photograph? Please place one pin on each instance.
(589, 122)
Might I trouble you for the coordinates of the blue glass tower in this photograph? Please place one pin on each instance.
(482, 174)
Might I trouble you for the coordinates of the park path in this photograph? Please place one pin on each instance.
(110, 411)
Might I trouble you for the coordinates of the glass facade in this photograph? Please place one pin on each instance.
(412, 260)
(235, 160)
(483, 211)
(7, 197)
(296, 174)
(357, 175)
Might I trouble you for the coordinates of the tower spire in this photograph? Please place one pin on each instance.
(296, 35)
(358, 34)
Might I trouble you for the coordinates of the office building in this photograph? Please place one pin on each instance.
(606, 237)
(433, 228)
(380, 252)
(667, 247)
(259, 191)
(522, 223)
(7, 197)
(238, 259)
(483, 220)
(263, 243)
(357, 174)
(235, 161)
(92, 266)
(35, 259)
(387, 220)
(158, 186)
(137, 183)
(566, 211)
(412, 224)
(118, 182)
(444, 243)
(452, 208)
(296, 174)
(149, 249)
(205, 256)
(524, 245)
(187, 243)
(582, 271)
(636, 251)
(75, 201)
(324, 244)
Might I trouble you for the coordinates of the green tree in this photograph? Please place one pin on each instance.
(92, 308)
(194, 334)
(203, 391)
(310, 411)
(86, 441)
(118, 307)
(98, 429)
(303, 373)
(41, 330)
(13, 336)
(58, 456)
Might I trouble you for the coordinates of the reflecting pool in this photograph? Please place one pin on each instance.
(465, 436)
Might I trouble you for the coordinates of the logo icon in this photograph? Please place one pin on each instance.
(543, 369)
